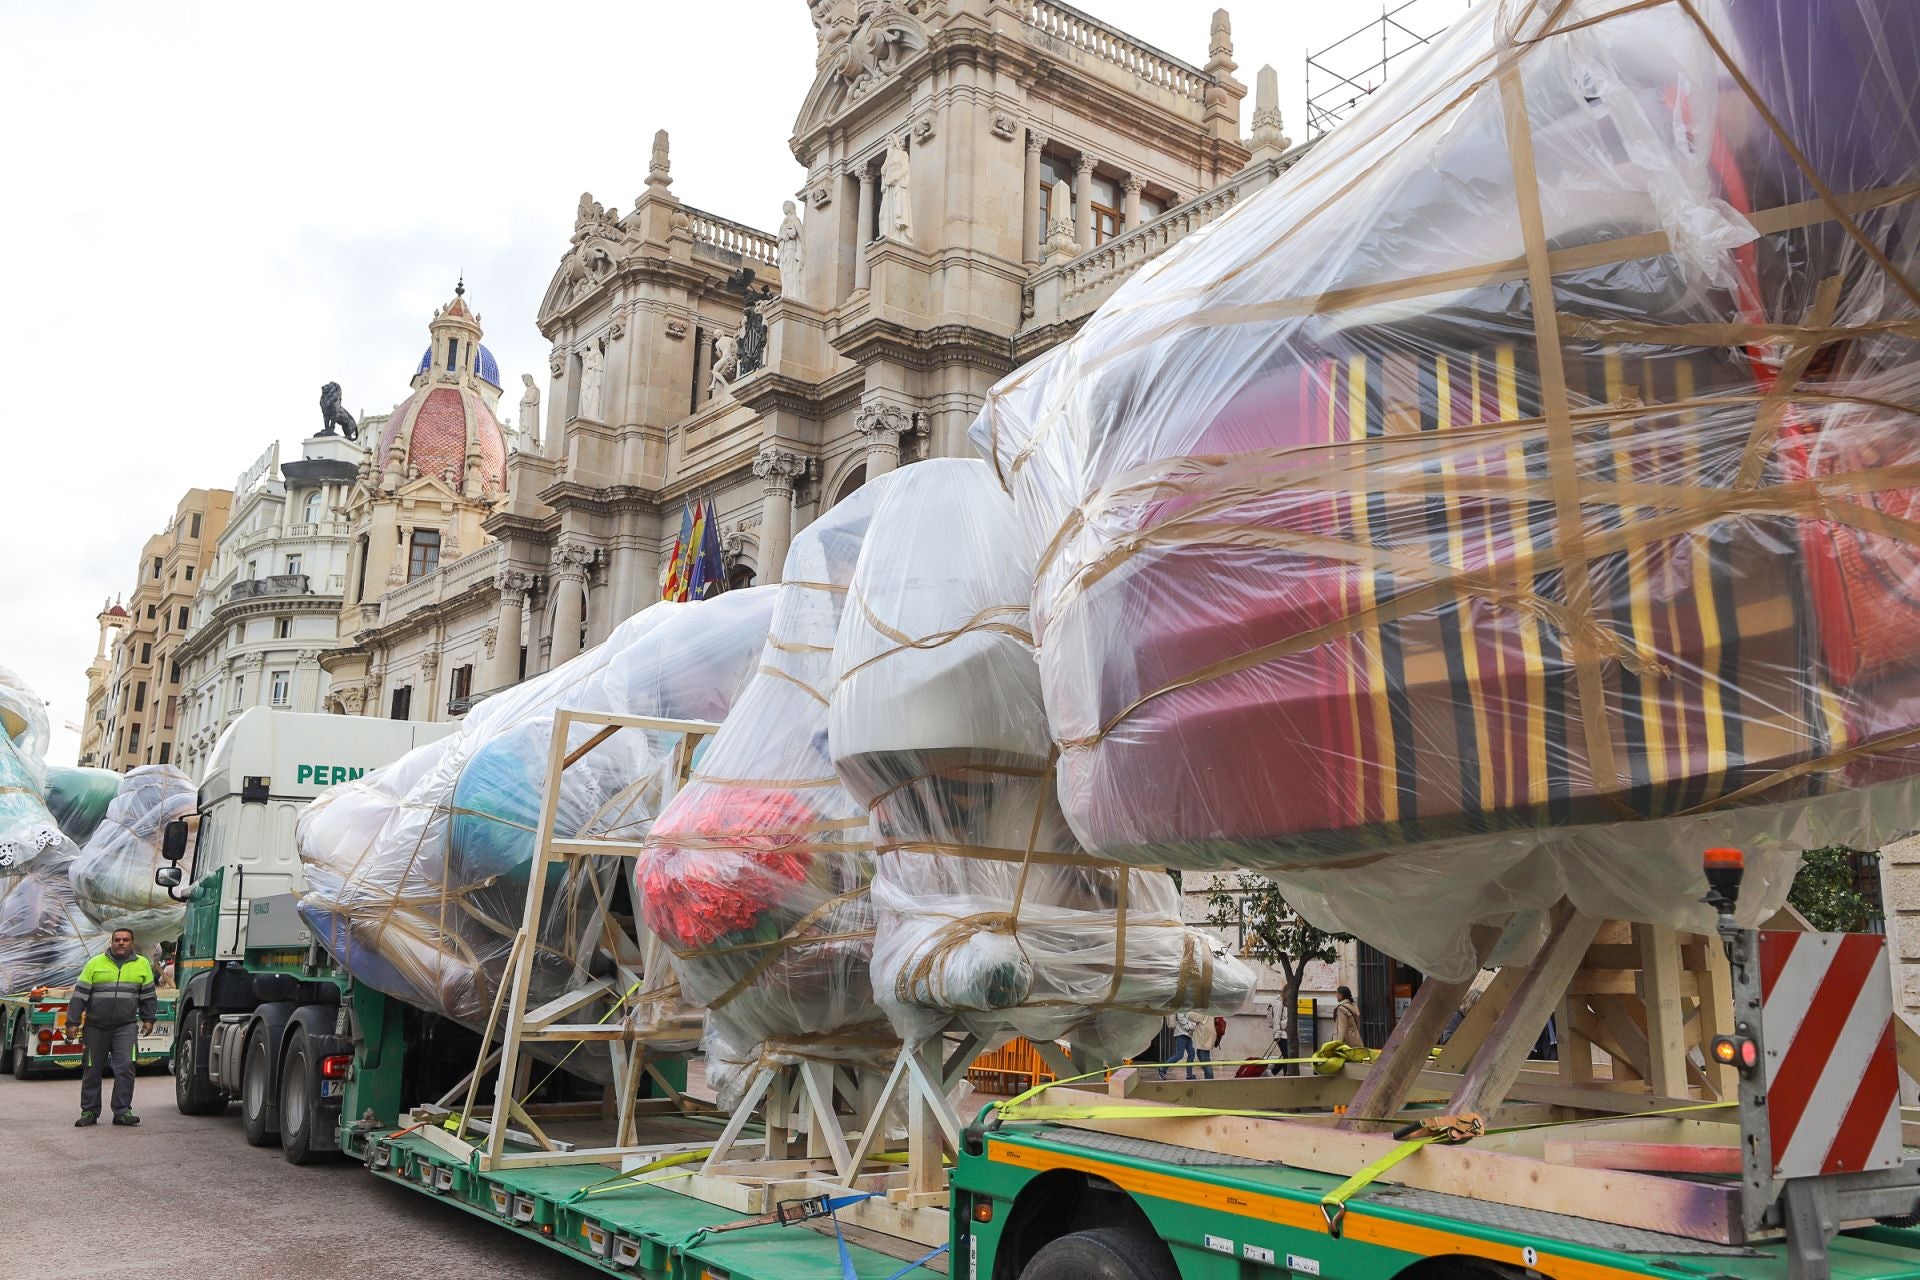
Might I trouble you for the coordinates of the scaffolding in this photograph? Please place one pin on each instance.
(1351, 85)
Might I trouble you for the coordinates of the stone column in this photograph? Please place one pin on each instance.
(426, 699)
(882, 424)
(1132, 187)
(513, 585)
(777, 469)
(1030, 229)
(863, 232)
(569, 601)
(1083, 202)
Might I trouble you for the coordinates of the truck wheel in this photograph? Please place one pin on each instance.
(1107, 1253)
(17, 1052)
(193, 1091)
(256, 1083)
(300, 1102)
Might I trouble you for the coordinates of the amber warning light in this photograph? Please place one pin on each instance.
(1737, 1051)
(1724, 868)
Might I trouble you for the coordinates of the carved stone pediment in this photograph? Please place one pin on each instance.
(861, 44)
(590, 260)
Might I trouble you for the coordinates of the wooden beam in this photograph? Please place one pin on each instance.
(1472, 1031)
(1660, 996)
(1498, 1063)
(1385, 1089)
(1716, 1018)
(1649, 1157)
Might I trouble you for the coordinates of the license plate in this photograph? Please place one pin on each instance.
(332, 1088)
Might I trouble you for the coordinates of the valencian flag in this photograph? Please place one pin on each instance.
(674, 585)
(708, 570)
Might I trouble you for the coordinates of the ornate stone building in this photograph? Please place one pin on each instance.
(979, 176)
(93, 724)
(269, 604)
(142, 714)
(434, 470)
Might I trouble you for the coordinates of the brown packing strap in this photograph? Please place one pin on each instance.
(778, 784)
(1732, 334)
(983, 621)
(988, 853)
(1832, 760)
(796, 682)
(1766, 422)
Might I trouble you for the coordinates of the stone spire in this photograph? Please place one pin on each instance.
(1061, 243)
(659, 175)
(1269, 137)
(1220, 44)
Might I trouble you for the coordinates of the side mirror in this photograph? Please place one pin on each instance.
(173, 843)
(168, 877)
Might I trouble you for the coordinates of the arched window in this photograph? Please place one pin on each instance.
(854, 479)
(741, 575)
(314, 500)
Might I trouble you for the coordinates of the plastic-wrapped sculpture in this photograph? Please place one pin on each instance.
(27, 830)
(984, 905)
(45, 938)
(1518, 496)
(417, 874)
(113, 875)
(78, 798)
(755, 876)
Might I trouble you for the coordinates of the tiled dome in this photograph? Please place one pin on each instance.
(486, 367)
(437, 419)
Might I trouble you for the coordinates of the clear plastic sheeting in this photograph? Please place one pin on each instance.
(756, 875)
(417, 873)
(78, 799)
(1517, 496)
(27, 830)
(113, 875)
(987, 912)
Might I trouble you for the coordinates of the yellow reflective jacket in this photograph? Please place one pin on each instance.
(112, 993)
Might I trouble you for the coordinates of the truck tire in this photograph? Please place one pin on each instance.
(193, 1091)
(256, 1086)
(300, 1102)
(17, 1062)
(1106, 1253)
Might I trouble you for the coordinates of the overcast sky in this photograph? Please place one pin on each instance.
(208, 210)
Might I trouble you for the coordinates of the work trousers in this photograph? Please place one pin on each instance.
(104, 1047)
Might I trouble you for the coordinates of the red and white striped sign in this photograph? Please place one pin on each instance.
(1832, 1078)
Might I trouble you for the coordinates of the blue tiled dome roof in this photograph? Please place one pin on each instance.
(489, 369)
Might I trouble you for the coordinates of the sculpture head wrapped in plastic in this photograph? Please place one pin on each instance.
(756, 875)
(987, 913)
(417, 874)
(1518, 495)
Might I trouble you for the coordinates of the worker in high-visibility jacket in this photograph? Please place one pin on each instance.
(115, 992)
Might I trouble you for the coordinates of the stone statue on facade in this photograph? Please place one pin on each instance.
(725, 360)
(333, 413)
(593, 370)
(530, 412)
(789, 250)
(896, 211)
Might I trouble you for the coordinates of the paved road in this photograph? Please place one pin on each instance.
(215, 1208)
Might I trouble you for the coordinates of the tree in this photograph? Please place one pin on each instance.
(1272, 933)
(1825, 892)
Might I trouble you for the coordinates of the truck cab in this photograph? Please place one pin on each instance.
(256, 1014)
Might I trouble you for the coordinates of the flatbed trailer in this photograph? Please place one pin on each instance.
(33, 1028)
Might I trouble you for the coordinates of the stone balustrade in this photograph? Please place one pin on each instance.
(444, 583)
(1064, 293)
(732, 237)
(1090, 35)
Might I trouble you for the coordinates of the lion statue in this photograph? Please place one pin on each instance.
(332, 415)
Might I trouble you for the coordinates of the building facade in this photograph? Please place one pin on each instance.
(93, 724)
(142, 710)
(979, 175)
(269, 603)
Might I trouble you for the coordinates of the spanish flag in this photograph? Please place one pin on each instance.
(674, 585)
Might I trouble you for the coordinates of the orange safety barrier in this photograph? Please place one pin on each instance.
(1013, 1068)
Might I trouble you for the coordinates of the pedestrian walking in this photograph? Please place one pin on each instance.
(114, 995)
(1346, 1021)
(1206, 1037)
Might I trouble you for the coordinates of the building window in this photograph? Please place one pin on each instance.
(285, 629)
(183, 617)
(424, 555)
(196, 527)
(313, 507)
(239, 691)
(253, 569)
(133, 740)
(173, 674)
(293, 564)
(402, 702)
(140, 696)
(156, 568)
(150, 612)
(282, 687)
(462, 685)
(453, 353)
(166, 753)
(360, 574)
(1106, 223)
(189, 573)
(239, 633)
(146, 654)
